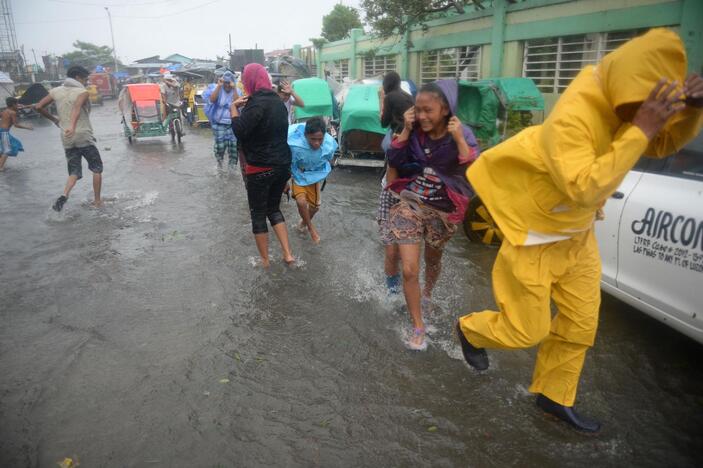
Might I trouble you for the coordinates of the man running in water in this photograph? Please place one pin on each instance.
(77, 137)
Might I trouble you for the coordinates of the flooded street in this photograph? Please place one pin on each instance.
(145, 334)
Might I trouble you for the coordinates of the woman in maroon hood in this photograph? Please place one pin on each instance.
(436, 149)
(262, 134)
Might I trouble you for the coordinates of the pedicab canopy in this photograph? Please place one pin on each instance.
(316, 94)
(141, 102)
(481, 103)
(361, 110)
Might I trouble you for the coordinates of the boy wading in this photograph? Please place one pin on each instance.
(77, 137)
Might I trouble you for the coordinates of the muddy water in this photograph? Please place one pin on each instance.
(145, 334)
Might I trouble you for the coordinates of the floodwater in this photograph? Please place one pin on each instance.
(145, 334)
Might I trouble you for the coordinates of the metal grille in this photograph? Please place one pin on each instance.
(339, 69)
(378, 65)
(456, 63)
(553, 62)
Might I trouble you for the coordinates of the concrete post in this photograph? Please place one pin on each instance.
(692, 33)
(355, 33)
(318, 62)
(497, 38)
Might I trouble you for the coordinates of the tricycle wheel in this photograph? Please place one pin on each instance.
(172, 132)
(129, 139)
(479, 225)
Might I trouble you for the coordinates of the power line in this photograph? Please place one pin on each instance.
(112, 5)
(170, 14)
(61, 20)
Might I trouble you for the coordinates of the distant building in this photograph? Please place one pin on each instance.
(178, 58)
(13, 64)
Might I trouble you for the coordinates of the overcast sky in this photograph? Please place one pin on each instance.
(195, 28)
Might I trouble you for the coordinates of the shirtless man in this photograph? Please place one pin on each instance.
(9, 145)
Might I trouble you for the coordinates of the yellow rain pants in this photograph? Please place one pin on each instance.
(524, 280)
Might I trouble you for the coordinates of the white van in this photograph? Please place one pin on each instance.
(651, 240)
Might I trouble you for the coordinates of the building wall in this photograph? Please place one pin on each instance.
(502, 32)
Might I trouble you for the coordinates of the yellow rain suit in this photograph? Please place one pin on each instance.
(543, 187)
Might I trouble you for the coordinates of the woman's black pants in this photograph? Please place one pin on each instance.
(264, 191)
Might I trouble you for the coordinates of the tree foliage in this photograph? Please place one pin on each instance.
(89, 55)
(389, 17)
(339, 22)
(318, 42)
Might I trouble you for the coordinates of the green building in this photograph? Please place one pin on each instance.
(546, 40)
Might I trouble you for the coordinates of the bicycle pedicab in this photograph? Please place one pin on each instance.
(144, 115)
(494, 109)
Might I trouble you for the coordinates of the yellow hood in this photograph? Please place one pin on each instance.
(629, 73)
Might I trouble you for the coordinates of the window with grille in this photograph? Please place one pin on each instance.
(339, 69)
(378, 65)
(462, 63)
(553, 62)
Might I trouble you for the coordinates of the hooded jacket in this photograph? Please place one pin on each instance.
(550, 179)
(309, 166)
(444, 159)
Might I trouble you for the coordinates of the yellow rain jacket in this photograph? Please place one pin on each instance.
(551, 178)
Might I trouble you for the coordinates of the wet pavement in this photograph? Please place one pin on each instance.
(145, 334)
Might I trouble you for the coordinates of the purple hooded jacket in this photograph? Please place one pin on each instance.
(445, 159)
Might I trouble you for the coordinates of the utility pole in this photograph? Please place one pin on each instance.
(114, 52)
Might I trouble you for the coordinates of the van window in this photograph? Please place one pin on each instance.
(652, 165)
(688, 162)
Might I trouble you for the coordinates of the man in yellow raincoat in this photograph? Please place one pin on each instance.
(544, 186)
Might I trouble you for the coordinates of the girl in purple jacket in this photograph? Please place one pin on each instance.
(436, 149)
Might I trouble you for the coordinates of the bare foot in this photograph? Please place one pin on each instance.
(98, 203)
(265, 262)
(289, 259)
(417, 341)
(301, 226)
(315, 236)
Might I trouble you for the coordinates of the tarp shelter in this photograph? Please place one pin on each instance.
(483, 102)
(33, 94)
(316, 95)
(361, 110)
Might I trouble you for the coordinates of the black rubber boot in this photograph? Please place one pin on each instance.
(475, 357)
(568, 415)
(58, 204)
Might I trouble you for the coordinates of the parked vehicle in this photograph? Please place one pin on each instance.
(143, 114)
(360, 131)
(94, 95)
(106, 84)
(651, 240)
(195, 110)
(494, 109)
